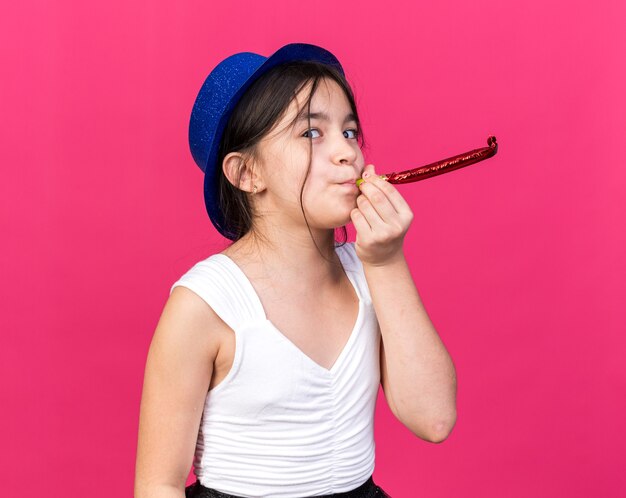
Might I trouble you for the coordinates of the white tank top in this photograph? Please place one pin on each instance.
(279, 424)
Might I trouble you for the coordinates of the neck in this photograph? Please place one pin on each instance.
(292, 255)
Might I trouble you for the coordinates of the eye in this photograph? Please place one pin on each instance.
(356, 132)
(353, 130)
(310, 129)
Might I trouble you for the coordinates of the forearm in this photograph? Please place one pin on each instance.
(421, 374)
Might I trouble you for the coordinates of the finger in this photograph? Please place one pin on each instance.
(359, 221)
(379, 199)
(368, 171)
(372, 216)
(391, 193)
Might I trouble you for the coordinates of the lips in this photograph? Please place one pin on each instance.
(351, 185)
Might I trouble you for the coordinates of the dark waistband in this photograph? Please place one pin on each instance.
(365, 490)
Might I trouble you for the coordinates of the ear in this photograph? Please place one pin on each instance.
(233, 164)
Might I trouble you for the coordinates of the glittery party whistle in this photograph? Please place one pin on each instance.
(443, 166)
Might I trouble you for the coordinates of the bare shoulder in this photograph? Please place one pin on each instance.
(191, 323)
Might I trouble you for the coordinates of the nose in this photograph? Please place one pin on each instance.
(343, 151)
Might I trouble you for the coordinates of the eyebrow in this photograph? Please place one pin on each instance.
(323, 117)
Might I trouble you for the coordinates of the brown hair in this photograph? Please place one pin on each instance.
(254, 116)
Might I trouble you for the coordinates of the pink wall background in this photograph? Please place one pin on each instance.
(518, 259)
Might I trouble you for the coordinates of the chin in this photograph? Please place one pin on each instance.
(339, 222)
(335, 214)
(331, 223)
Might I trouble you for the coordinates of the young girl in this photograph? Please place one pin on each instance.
(266, 361)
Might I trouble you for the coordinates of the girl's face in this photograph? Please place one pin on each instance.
(337, 161)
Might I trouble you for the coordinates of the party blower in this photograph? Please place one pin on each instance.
(443, 166)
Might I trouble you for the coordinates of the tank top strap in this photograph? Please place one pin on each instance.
(354, 269)
(224, 289)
